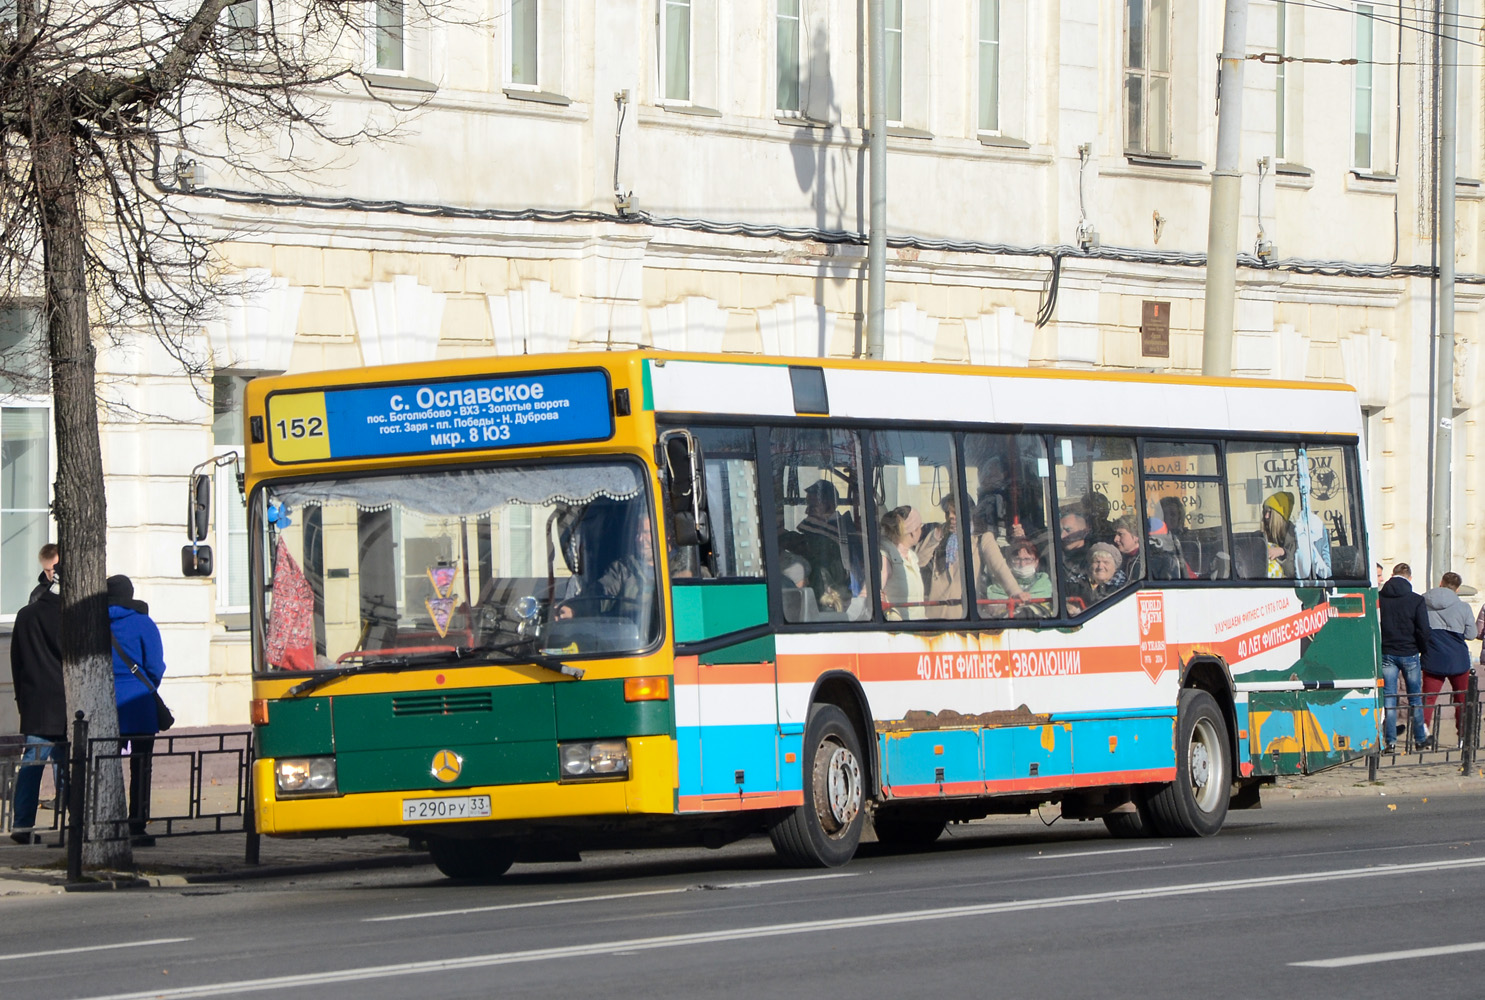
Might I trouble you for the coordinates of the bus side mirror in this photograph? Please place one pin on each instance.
(195, 560)
(687, 489)
(198, 508)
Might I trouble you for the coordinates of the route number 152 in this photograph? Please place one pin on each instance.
(301, 427)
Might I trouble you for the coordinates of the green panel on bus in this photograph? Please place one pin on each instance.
(514, 714)
(410, 768)
(594, 709)
(705, 611)
(297, 727)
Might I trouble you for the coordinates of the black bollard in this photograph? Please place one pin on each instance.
(77, 781)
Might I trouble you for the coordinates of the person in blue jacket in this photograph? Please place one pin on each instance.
(135, 634)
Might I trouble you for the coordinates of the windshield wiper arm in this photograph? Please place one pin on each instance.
(393, 663)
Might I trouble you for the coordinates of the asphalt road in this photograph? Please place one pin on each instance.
(1314, 898)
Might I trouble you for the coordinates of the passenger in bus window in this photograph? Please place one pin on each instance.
(1104, 573)
(1278, 533)
(943, 566)
(902, 579)
(991, 570)
(1096, 515)
(1165, 554)
(818, 540)
(1032, 597)
(1127, 541)
(1074, 527)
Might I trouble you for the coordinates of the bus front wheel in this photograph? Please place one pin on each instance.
(475, 860)
(1195, 804)
(825, 831)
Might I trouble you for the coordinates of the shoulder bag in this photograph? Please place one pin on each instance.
(164, 718)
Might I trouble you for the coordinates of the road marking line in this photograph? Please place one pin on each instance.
(599, 899)
(92, 947)
(731, 935)
(1094, 854)
(1393, 956)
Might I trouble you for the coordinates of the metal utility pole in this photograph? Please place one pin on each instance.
(1443, 407)
(876, 244)
(1227, 180)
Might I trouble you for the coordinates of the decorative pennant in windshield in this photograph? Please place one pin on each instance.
(413, 418)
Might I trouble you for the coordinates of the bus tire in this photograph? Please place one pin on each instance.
(1195, 804)
(825, 831)
(472, 860)
(1131, 825)
(904, 831)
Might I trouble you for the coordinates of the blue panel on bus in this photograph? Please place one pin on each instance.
(1139, 744)
(726, 750)
(412, 418)
(941, 757)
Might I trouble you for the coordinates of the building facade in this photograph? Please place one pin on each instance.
(710, 159)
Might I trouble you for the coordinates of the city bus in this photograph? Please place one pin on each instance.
(519, 608)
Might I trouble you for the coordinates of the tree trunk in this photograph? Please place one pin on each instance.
(78, 500)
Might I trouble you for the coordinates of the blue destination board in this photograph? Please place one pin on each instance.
(439, 416)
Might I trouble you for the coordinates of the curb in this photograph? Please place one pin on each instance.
(315, 868)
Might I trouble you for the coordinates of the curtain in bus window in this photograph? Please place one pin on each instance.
(1013, 572)
(921, 559)
(1095, 488)
(821, 562)
(1276, 534)
(1183, 515)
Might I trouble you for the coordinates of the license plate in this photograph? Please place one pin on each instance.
(453, 807)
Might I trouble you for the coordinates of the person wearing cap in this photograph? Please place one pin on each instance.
(1278, 533)
(135, 634)
(1446, 658)
(1104, 573)
(818, 540)
(1405, 634)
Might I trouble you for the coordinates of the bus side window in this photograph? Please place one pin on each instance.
(821, 566)
(1262, 495)
(1183, 506)
(1014, 575)
(1095, 488)
(916, 503)
(732, 508)
(1333, 502)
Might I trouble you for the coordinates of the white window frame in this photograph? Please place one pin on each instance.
(800, 58)
(222, 553)
(665, 9)
(538, 15)
(992, 41)
(1142, 144)
(231, 27)
(1281, 82)
(1363, 87)
(36, 403)
(373, 35)
(894, 60)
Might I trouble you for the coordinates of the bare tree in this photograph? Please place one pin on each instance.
(105, 107)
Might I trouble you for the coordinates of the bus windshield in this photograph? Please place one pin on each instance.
(552, 560)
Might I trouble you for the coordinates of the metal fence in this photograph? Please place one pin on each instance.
(1445, 744)
(188, 784)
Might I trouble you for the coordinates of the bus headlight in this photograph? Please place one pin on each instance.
(595, 759)
(305, 776)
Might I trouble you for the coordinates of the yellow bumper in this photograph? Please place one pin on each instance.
(650, 788)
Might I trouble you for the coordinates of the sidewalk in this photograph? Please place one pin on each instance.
(219, 857)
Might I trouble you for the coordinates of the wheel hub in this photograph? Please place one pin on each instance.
(1201, 765)
(843, 792)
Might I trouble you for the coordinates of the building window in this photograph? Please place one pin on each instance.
(894, 61)
(787, 32)
(390, 36)
(25, 453)
(989, 65)
(231, 516)
(675, 58)
(1280, 79)
(523, 42)
(240, 26)
(1361, 131)
(1147, 76)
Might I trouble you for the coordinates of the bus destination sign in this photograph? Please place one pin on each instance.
(414, 418)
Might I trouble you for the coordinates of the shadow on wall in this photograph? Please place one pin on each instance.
(821, 174)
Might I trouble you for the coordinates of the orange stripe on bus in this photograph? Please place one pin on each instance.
(739, 803)
(1047, 783)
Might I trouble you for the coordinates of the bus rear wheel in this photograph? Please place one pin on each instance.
(901, 830)
(1195, 804)
(1131, 823)
(473, 860)
(825, 831)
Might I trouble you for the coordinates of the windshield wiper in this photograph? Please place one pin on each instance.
(389, 662)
